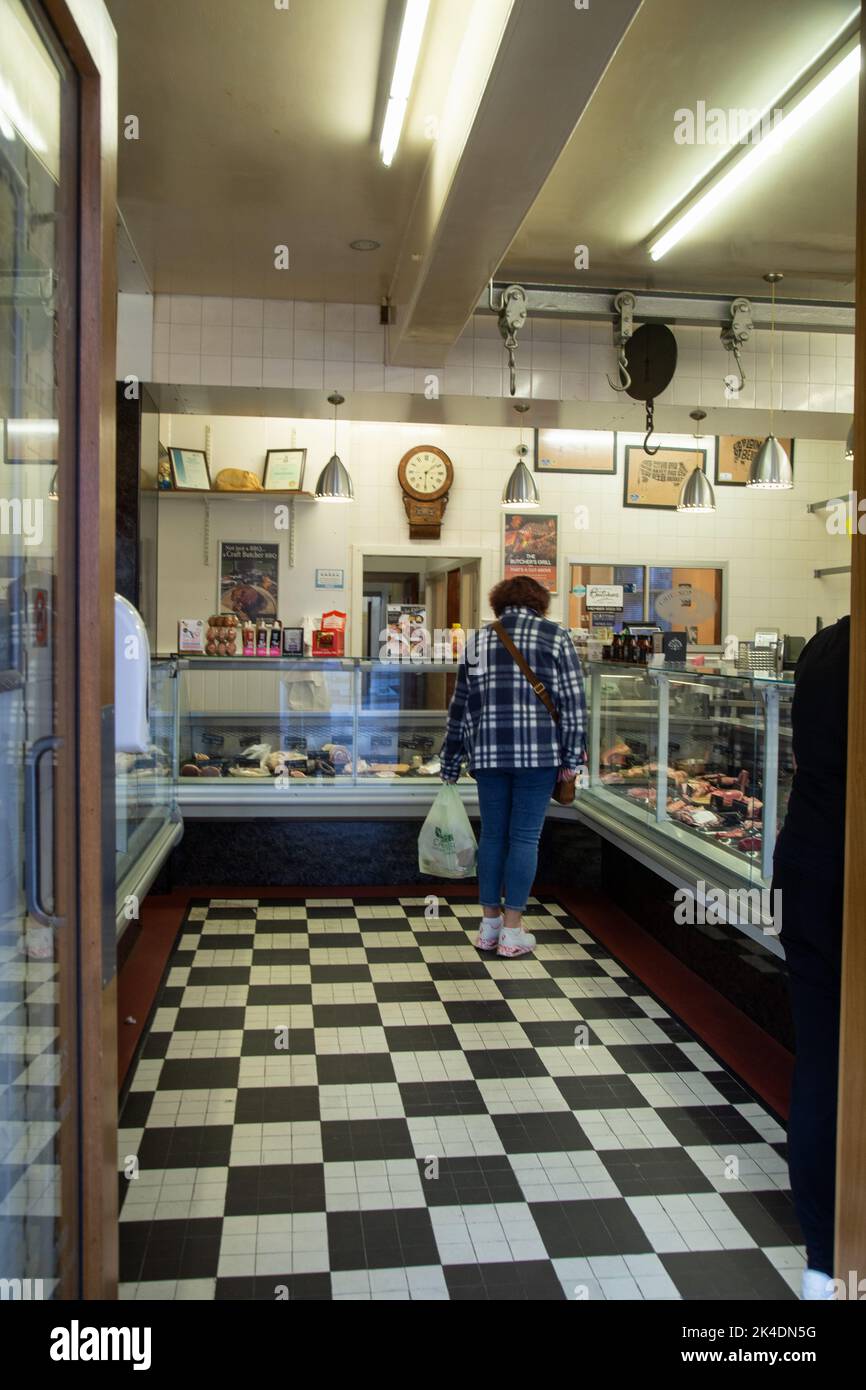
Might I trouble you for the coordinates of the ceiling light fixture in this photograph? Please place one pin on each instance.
(696, 493)
(334, 483)
(771, 467)
(411, 34)
(721, 191)
(365, 244)
(520, 490)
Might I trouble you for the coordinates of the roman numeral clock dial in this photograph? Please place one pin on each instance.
(426, 475)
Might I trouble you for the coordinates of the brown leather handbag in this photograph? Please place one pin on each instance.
(563, 792)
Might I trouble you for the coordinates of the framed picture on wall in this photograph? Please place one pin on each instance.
(734, 455)
(575, 451)
(189, 470)
(654, 480)
(531, 548)
(284, 470)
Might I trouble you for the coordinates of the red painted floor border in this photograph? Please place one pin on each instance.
(763, 1064)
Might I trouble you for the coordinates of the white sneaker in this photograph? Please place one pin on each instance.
(816, 1286)
(488, 934)
(514, 941)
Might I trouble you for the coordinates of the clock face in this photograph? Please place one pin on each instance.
(426, 472)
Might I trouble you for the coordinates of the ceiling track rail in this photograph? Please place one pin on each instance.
(695, 310)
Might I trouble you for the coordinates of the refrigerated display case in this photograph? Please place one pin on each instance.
(689, 770)
(147, 819)
(697, 760)
(284, 736)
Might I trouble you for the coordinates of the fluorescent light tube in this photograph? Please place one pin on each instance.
(770, 144)
(411, 34)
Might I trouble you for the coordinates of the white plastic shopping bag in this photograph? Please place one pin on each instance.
(446, 845)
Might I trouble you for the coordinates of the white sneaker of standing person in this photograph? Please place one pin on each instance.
(816, 1286)
(489, 933)
(514, 941)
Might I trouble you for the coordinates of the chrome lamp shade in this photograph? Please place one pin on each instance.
(771, 467)
(520, 490)
(696, 493)
(334, 483)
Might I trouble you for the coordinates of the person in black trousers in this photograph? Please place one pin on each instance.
(809, 866)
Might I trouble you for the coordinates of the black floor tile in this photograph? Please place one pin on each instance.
(555, 1131)
(722, 1276)
(361, 1141)
(442, 1098)
(588, 1229)
(654, 1172)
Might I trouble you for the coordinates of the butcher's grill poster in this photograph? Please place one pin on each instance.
(248, 583)
(531, 548)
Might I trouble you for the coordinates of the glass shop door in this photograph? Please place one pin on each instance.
(39, 1140)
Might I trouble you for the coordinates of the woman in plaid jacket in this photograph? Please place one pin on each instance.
(515, 750)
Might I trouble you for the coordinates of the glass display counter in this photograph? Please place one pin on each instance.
(689, 770)
(147, 822)
(699, 760)
(275, 733)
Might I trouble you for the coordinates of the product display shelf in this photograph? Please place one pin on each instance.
(689, 769)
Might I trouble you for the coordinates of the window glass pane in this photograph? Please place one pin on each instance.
(696, 605)
(632, 578)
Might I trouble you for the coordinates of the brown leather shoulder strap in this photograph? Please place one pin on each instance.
(538, 686)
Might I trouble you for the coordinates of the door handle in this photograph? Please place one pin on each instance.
(32, 837)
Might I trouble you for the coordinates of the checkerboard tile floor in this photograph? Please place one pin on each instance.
(30, 1076)
(343, 1099)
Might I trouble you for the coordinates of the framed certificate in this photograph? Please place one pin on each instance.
(189, 470)
(284, 470)
(575, 451)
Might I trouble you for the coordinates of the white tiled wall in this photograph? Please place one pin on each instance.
(770, 542)
(254, 342)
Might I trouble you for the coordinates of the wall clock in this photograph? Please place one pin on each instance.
(426, 475)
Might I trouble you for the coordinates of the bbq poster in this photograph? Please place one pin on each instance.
(531, 548)
(248, 583)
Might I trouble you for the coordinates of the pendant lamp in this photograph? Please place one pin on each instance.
(696, 493)
(771, 467)
(849, 445)
(334, 483)
(520, 490)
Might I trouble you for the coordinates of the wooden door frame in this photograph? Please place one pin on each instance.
(851, 1132)
(85, 31)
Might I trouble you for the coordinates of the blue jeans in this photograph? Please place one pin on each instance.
(513, 803)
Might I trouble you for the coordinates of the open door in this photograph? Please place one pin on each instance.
(57, 115)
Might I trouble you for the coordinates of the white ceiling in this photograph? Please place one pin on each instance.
(622, 172)
(258, 128)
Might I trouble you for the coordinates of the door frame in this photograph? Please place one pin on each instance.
(851, 1129)
(85, 31)
(489, 565)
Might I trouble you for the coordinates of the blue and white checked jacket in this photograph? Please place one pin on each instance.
(496, 720)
